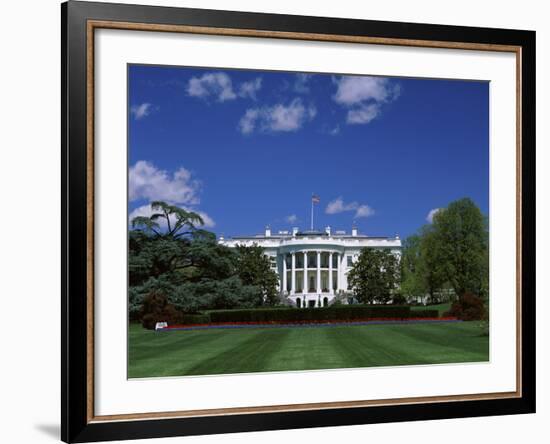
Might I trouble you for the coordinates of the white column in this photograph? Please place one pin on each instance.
(284, 273)
(293, 275)
(306, 289)
(339, 262)
(318, 272)
(330, 282)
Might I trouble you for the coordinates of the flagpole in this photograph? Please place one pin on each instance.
(312, 212)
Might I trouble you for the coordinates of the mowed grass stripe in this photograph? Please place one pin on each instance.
(176, 353)
(456, 341)
(368, 348)
(305, 349)
(250, 355)
(206, 352)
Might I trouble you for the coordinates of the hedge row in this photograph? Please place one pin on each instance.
(200, 318)
(313, 314)
(424, 314)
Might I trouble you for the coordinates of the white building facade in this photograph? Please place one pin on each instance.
(313, 265)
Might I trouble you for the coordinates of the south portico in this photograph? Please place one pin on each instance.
(311, 276)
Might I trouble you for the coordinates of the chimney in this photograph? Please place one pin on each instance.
(267, 231)
(354, 230)
(294, 231)
(327, 230)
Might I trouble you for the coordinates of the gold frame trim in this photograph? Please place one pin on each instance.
(92, 25)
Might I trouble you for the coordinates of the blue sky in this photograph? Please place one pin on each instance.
(248, 148)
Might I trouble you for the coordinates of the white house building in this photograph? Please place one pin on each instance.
(313, 265)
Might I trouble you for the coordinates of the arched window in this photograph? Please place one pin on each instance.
(298, 303)
(325, 302)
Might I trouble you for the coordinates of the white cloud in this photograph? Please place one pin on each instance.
(301, 83)
(277, 118)
(248, 121)
(339, 206)
(364, 211)
(363, 96)
(335, 131)
(249, 89)
(217, 84)
(146, 211)
(220, 86)
(363, 114)
(431, 214)
(352, 90)
(146, 181)
(292, 219)
(141, 111)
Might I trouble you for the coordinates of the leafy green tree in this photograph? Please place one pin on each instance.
(374, 277)
(460, 243)
(431, 267)
(254, 269)
(177, 221)
(217, 294)
(422, 270)
(169, 244)
(412, 276)
(209, 260)
(153, 256)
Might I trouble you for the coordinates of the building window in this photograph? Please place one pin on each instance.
(324, 281)
(288, 260)
(324, 260)
(349, 261)
(312, 260)
(299, 281)
(312, 281)
(299, 260)
(335, 257)
(334, 280)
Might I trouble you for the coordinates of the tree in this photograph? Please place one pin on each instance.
(209, 260)
(168, 243)
(374, 276)
(254, 269)
(178, 222)
(153, 256)
(215, 294)
(431, 266)
(412, 277)
(460, 243)
(421, 267)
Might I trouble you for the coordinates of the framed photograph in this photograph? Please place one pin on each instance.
(276, 221)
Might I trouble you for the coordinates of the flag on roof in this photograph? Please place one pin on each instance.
(315, 199)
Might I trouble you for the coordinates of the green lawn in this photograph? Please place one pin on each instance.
(222, 351)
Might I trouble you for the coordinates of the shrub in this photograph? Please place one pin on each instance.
(468, 308)
(399, 299)
(137, 295)
(156, 308)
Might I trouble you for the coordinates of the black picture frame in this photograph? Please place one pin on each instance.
(76, 424)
